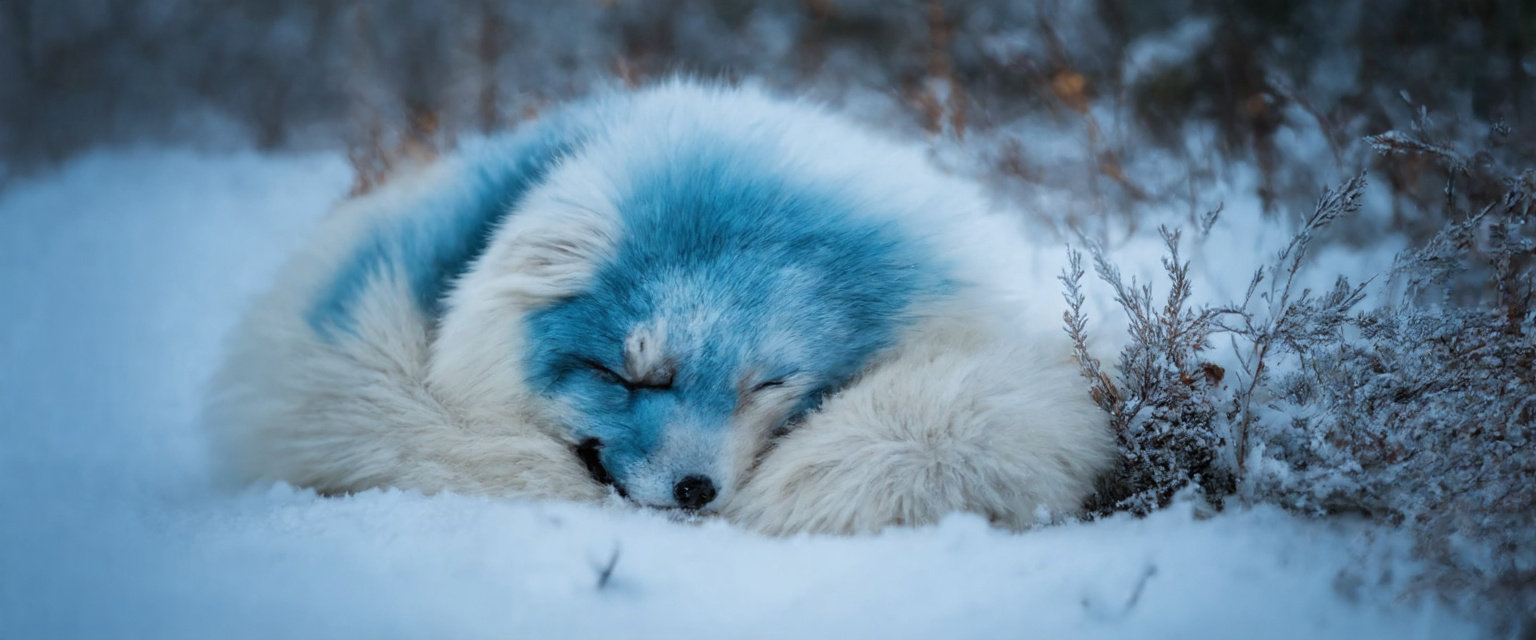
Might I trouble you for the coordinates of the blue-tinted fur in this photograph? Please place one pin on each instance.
(434, 242)
(712, 231)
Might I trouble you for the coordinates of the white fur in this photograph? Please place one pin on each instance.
(964, 417)
(970, 411)
(376, 411)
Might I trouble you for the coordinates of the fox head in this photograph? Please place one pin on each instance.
(727, 304)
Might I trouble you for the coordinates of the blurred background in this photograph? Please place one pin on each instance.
(1090, 112)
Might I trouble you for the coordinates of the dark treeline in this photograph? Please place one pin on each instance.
(321, 73)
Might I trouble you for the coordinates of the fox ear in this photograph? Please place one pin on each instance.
(551, 253)
(547, 249)
(559, 235)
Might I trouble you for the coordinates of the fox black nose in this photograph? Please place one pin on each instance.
(693, 492)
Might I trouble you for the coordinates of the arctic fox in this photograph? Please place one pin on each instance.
(701, 298)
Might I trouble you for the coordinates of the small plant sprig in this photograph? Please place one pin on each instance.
(1161, 409)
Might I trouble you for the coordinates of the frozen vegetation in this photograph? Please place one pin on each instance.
(1294, 239)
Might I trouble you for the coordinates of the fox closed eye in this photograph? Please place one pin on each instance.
(658, 383)
(778, 382)
(607, 375)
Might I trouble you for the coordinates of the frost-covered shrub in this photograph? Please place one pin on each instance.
(1161, 404)
(1276, 319)
(1422, 410)
(1419, 410)
(1424, 417)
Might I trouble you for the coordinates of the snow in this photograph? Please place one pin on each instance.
(120, 273)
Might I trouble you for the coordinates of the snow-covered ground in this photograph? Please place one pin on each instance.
(119, 275)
